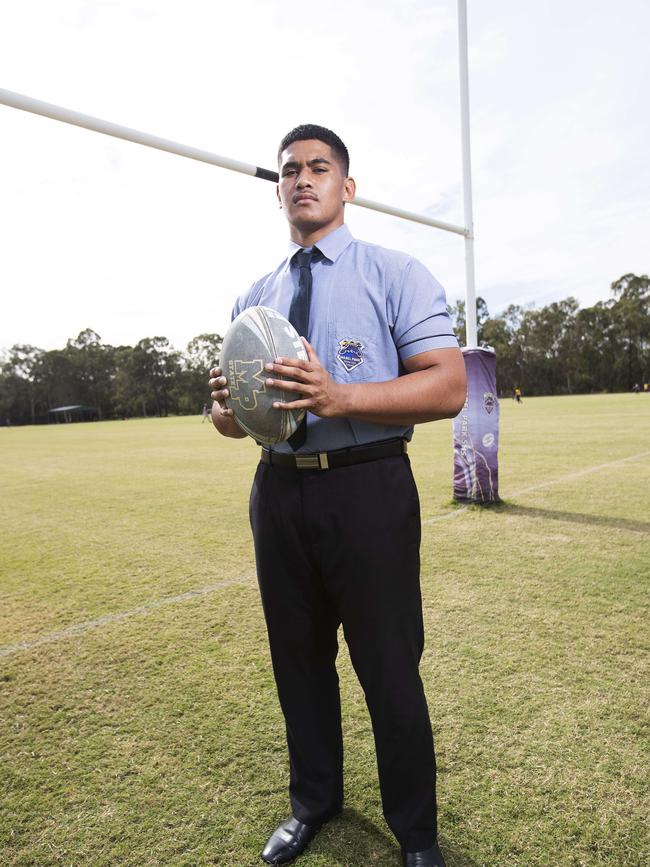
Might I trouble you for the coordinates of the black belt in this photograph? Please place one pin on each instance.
(338, 458)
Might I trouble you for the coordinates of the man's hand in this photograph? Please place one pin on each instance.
(219, 385)
(222, 417)
(309, 379)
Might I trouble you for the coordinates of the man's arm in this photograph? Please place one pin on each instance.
(434, 387)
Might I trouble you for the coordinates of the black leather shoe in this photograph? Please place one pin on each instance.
(428, 858)
(288, 841)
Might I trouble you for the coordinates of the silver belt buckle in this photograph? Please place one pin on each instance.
(307, 462)
(312, 462)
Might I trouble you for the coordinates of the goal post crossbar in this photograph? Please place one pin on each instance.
(96, 124)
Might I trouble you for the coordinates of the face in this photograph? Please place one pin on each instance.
(312, 189)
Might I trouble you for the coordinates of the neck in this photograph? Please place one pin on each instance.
(307, 236)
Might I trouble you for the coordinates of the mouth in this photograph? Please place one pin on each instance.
(304, 197)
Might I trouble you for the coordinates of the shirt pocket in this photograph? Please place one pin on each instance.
(352, 354)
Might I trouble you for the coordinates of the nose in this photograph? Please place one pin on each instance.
(303, 180)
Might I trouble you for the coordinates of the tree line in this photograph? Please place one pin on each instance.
(557, 349)
(564, 349)
(150, 378)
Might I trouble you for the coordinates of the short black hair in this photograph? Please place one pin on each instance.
(307, 131)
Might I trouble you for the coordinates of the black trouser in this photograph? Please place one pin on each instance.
(342, 546)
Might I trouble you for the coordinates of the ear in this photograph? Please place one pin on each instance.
(277, 193)
(349, 189)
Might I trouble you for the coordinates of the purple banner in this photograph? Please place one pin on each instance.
(476, 432)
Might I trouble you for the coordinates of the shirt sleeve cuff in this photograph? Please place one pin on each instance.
(426, 344)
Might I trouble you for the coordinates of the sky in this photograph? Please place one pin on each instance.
(131, 242)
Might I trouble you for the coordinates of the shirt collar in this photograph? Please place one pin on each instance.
(331, 246)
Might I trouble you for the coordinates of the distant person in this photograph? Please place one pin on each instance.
(636, 388)
(517, 395)
(646, 387)
(205, 412)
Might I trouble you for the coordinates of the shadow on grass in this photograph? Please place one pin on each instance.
(453, 857)
(574, 517)
(352, 840)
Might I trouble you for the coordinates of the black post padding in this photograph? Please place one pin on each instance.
(266, 175)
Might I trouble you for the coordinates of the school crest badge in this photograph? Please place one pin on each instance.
(350, 353)
(489, 401)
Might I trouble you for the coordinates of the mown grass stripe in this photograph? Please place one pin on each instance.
(87, 625)
(105, 619)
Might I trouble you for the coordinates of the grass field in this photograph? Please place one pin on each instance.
(139, 724)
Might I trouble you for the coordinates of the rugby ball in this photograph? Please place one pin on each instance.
(256, 337)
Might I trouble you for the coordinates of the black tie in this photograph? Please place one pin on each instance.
(299, 318)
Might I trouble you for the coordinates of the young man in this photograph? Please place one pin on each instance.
(335, 511)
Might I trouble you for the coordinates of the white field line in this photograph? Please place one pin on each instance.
(87, 625)
(461, 509)
(79, 628)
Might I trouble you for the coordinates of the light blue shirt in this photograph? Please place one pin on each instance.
(371, 309)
